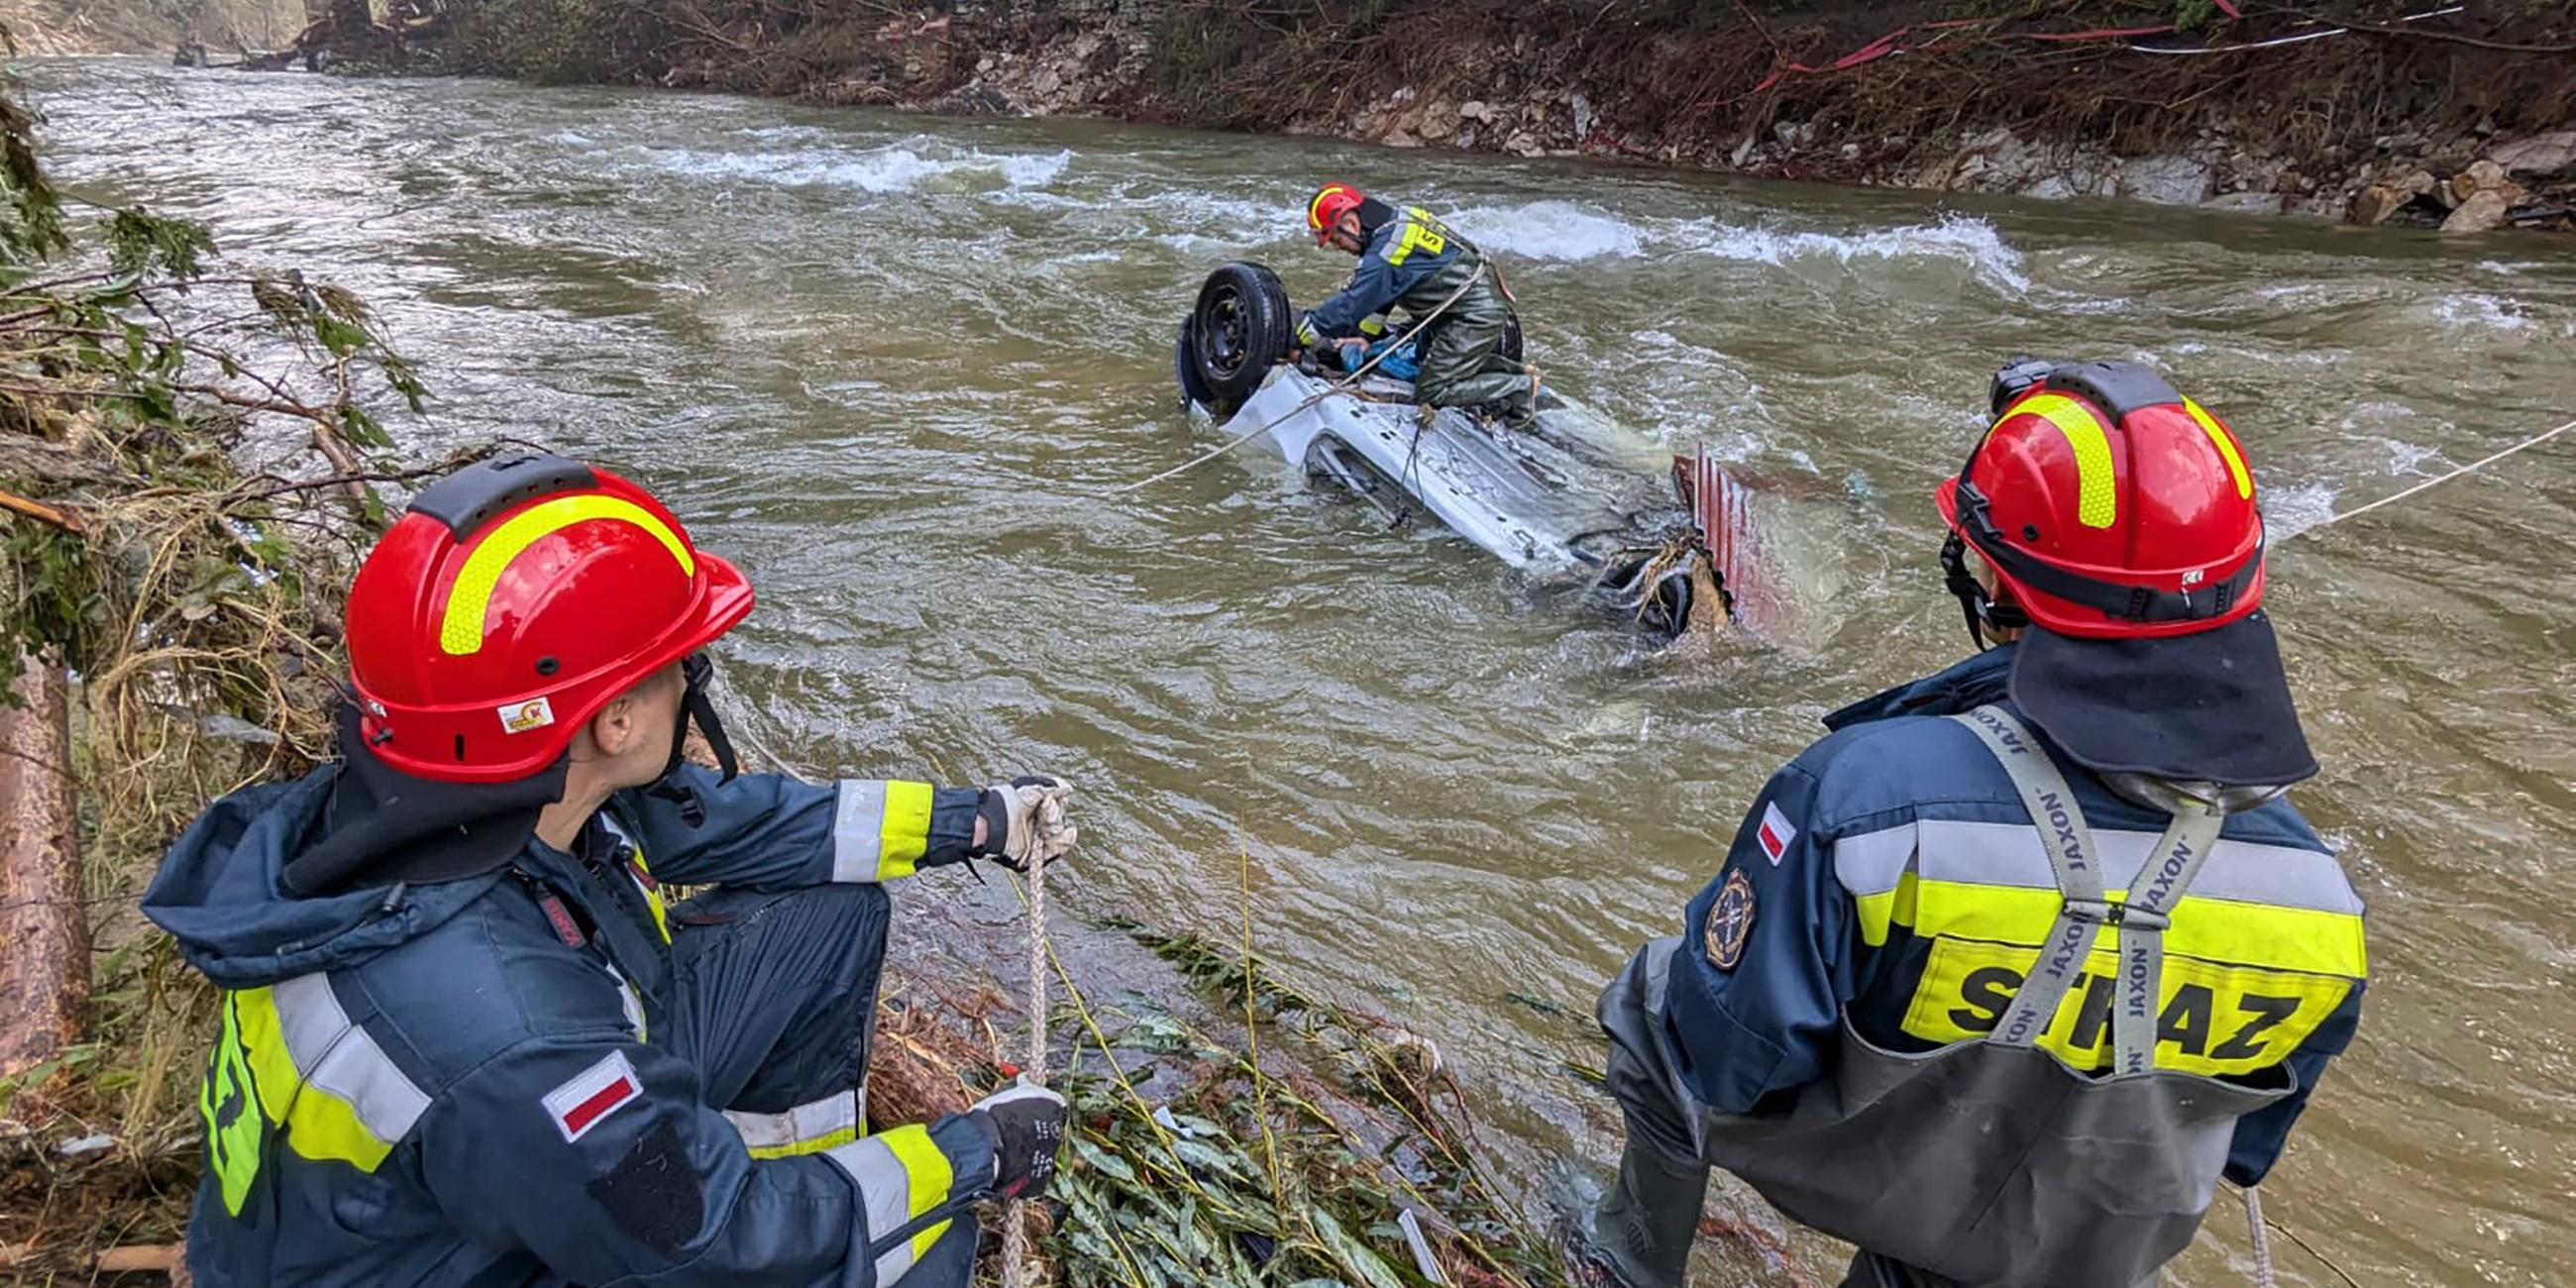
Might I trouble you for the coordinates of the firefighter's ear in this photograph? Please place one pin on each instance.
(623, 728)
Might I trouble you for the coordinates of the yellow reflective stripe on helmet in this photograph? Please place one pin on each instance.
(903, 834)
(2226, 445)
(462, 631)
(929, 1177)
(2097, 483)
(317, 1124)
(1315, 208)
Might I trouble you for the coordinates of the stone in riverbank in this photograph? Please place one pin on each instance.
(2538, 154)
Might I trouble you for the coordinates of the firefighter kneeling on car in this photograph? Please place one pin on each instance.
(2006, 972)
(463, 1040)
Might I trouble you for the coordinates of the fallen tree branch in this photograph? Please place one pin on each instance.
(356, 478)
(161, 1258)
(40, 511)
(44, 975)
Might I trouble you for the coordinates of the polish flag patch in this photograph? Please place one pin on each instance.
(1774, 833)
(593, 1094)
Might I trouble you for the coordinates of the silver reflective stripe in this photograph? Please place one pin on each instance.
(858, 830)
(1875, 862)
(339, 1058)
(886, 1190)
(2011, 854)
(810, 1121)
(2069, 842)
(628, 1000)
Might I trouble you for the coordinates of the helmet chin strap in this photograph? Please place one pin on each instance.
(1975, 603)
(695, 708)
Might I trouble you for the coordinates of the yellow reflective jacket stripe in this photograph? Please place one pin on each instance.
(809, 1128)
(929, 1175)
(901, 1175)
(880, 829)
(2244, 981)
(319, 1079)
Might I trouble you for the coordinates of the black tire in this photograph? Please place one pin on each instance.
(1238, 332)
(1512, 339)
(1185, 365)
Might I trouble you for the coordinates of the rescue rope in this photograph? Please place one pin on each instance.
(1345, 383)
(2260, 1235)
(1015, 1223)
(2278, 41)
(2470, 468)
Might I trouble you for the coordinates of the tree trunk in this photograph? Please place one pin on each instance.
(44, 921)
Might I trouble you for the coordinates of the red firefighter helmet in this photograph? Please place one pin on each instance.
(511, 602)
(1332, 201)
(2112, 507)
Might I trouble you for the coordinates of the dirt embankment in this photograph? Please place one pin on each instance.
(56, 27)
(2380, 115)
(2375, 111)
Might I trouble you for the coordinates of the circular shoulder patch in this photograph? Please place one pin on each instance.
(1730, 921)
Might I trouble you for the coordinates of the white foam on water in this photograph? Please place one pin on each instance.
(2289, 511)
(1558, 230)
(784, 133)
(2404, 457)
(1565, 230)
(893, 168)
(1955, 237)
(2478, 311)
(569, 138)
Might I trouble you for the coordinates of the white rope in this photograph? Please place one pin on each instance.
(2261, 1236)
(1345, 383)
(1015, 1224)
(2470, 468)
(2278, 41)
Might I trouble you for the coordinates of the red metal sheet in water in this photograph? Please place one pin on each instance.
(1720, 508)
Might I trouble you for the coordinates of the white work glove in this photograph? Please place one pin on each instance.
(1032, 825)
(1027, 1123)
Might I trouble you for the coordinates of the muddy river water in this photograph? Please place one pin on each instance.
(894, 366)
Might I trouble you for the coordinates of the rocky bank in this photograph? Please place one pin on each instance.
(2490, 146)
(2462, 118)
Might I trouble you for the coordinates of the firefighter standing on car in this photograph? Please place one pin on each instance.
(1411, 260)
(464, 1041)
(2005, 973)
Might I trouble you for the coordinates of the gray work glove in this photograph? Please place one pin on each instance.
(1027, 1125)
(1024, 822)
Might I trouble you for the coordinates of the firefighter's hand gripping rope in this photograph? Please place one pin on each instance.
(1050, 836)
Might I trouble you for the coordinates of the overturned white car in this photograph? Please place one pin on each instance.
(1576, 496)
